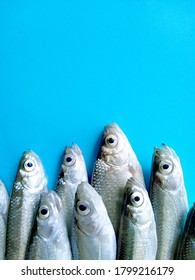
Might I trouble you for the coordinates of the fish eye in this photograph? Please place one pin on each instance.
(69, 160)
(83, 208)
(43, 212)
(111, 141)
(136, 199)
(29, 165)
(166, 167)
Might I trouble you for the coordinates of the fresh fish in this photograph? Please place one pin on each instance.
(169, 200)
(29, 183)
(186, 250)
(93, 236)
(115, 164)
(4, 204)
(137, 233)
(73, 171)
(50, 241)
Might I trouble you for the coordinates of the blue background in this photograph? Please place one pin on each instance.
(67, 68)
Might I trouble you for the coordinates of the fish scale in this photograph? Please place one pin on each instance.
(4, 203)
(136, 242)
(106, 187)
(186, 248)
(2, 238)
(169, 200)
(115, 164)
(166, 234)
(20, 220)
(24, 200)
(137, 232)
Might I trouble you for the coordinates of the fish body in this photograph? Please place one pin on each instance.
(4, 204)
(169, 200)
(137, 233)
(50, 241)
(93, 236)
(186, 250)
(72, 172)
(115, 164)
(29, 183)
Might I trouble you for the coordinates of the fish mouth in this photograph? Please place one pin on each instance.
(74, 148)
(163, 150)
(110, 127)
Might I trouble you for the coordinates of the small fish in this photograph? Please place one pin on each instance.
(29, 183)
(137, 233)
(115, 164)
(4, 204)
(93, 236)
(72, 172)
(169, 200)
(50, 241)
(186, 250)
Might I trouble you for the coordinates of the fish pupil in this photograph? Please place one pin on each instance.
(137, 198)
(111, 140)
(165, 166)
(82, 207)
(44, 212)
(69, 159)
(29, 164)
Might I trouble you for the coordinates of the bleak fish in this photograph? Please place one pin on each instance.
(169, 200)
(50, 241)
(93, 236)
(29, 183)
(137, 233)
(186, 249)
(115, 164)
(4, 204)
(73, 171)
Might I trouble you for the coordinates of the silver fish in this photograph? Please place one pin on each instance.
(115, 164)
(137, 233)
(50, 241)
(93, 236)
(4, 204)
(169, 200)
(186, 249)
(29, 183)
(72, 172)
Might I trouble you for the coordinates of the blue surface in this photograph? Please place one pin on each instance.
(67, 68)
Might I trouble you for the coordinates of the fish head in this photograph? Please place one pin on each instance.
(30, 170)
(167, 171)
(4, 199)
(73, 168)
(115, 146)
(89, 211)
(50, 209)
(137, 204)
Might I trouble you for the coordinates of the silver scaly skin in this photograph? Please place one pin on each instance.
(72, 172)
(4, 204)
(115, 164)
(29, 183)
(137, 233)
(93, 236)
(186, 249)
(169, 200)
(50, 242)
